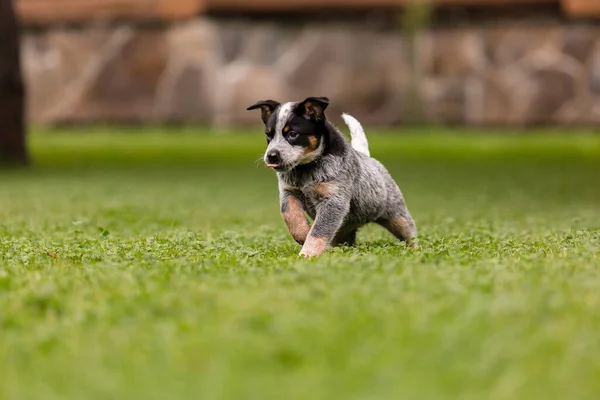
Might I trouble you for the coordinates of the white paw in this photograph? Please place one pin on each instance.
(309, 253)
(313, 247)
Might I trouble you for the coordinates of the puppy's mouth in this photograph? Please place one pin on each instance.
(277, 167)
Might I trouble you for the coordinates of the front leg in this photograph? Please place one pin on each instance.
(330, 216)
(292, 212)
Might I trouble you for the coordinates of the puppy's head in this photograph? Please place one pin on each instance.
(294, 131)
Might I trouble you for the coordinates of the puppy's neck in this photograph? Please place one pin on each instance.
(335, 143)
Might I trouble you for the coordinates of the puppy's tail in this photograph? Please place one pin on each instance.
(359, 139)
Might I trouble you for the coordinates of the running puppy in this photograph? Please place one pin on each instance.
(336, 183)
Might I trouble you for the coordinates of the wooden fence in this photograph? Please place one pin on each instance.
(51, 12)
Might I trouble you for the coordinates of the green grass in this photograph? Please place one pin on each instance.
(144, 265)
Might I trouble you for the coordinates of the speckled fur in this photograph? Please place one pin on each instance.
(340, 188)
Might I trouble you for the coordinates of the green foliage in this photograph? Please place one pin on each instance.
(145, 265)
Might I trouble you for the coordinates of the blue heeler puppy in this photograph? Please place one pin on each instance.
(337, 184)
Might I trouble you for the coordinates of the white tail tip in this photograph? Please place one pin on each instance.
(359, 138)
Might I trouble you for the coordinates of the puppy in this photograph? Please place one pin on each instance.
(337, 184)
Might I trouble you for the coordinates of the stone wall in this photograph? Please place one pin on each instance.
(208, 70)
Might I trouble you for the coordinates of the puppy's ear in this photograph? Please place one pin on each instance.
(313, 108)
(266, 108)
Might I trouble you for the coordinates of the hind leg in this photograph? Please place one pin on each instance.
(401, 226)
(397, 218)
(346, 238)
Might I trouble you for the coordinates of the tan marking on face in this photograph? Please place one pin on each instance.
(286, 129)
(313, 144)
(295, 220)
(314, 246)
(325, 189)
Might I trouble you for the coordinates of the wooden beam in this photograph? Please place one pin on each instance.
(293, 5)
(581, 8)
(47, 12)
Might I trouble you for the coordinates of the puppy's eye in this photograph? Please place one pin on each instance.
(293, 135)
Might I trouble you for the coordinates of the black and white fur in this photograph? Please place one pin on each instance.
(338, 184)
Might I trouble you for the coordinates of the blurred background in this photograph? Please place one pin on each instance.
(507, 63)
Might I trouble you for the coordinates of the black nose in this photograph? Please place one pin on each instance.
(273, 157)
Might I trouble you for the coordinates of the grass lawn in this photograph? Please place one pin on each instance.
(145, 265)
